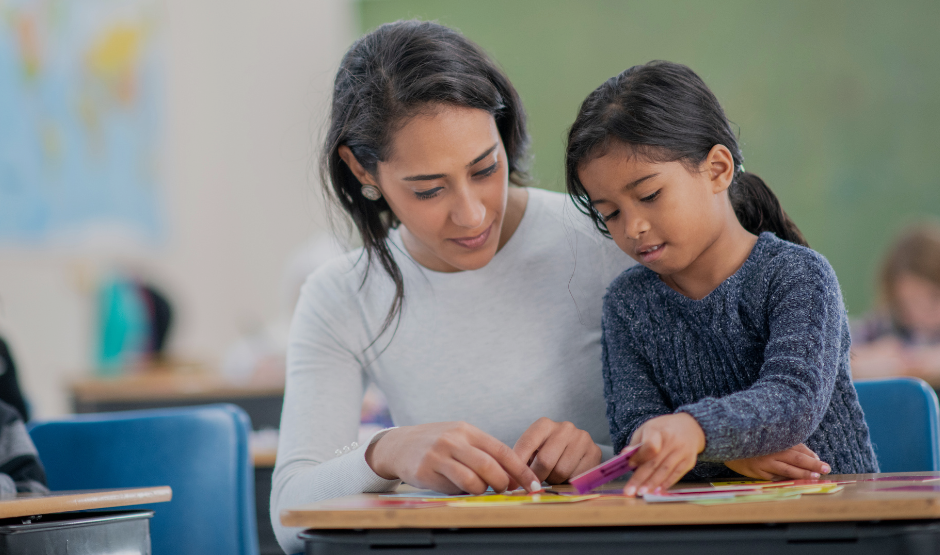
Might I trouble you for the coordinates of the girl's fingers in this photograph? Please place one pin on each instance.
(640, 475)
(785, 470)
(665, 468)
(806, 451)
(804, 462)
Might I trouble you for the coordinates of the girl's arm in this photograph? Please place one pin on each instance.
(808, 335)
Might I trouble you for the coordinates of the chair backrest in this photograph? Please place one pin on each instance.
(201, 452)
(902, 415)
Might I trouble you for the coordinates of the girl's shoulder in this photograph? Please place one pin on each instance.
(782, 260)
(634, 287)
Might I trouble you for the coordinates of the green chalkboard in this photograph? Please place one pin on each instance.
(838, 103)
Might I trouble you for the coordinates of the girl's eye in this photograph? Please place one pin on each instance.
(651, 197)
(430, 193)
(610, 216)
(486, 172)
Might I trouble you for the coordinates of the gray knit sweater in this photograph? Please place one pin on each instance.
(762, 362)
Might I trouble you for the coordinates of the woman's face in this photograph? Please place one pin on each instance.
(659, 213)
(447, 181)
(918, 304)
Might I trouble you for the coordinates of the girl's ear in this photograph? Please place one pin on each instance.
(364, 177)
(720, 167)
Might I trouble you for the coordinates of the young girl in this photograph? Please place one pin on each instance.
(730, 340)
(903, 337)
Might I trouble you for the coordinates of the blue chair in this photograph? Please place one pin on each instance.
(902, 415)
(201, 452)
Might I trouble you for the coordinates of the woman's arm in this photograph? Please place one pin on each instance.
(322, 403)
(785, 405)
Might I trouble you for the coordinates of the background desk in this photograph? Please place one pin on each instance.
(33, 523)
(162, 388)
(856, 520)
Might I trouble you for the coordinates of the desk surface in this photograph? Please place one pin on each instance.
(859, 501)
(27, 504)
(166, 385)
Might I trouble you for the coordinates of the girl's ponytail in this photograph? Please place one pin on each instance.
(758, 209)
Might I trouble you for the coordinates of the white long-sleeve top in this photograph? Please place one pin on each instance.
(497, 347)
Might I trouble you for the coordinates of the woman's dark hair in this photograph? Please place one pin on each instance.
(397, 71)
(664, 112)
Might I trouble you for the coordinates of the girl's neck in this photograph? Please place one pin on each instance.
(720, 260)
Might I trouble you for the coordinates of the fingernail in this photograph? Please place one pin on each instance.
(815, 475)
(535, 486)
(642, 491)
(826, 469)
(658, 490)
(631, 491)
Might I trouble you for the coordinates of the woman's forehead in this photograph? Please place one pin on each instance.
(446, 136)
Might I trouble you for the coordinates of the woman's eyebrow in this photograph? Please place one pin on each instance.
(631, 185)
(433, 176)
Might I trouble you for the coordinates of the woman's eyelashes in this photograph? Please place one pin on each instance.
(486, 172)
(431, 193)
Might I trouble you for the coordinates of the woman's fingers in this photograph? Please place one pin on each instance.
(484, 466)
(465, 479)
(517, 469)
(532, 439)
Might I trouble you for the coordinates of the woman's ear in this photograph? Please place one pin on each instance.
(720, 167)
(361, 174)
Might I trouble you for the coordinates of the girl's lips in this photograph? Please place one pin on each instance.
(474, 242)
(651, 253)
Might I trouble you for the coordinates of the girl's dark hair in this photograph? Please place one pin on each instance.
(397, 71)
(664, 112)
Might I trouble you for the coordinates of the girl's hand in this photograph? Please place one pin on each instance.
(671, 445)
(556, 451)
(795, 463)
(449, 457)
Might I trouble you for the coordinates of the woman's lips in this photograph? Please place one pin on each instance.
(651, 253)
(474, 242)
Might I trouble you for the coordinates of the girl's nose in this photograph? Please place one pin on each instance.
(636, 227)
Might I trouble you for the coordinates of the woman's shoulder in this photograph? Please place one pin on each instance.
(554, 212)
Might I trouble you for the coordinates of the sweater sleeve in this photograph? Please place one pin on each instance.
(792, 393)
(631, 393)
(322, 404)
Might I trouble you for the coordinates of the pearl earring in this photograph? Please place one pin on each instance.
(371, 192)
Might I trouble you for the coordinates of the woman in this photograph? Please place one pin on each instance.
(471, 304)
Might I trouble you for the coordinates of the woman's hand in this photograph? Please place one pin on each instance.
(795, 463)
(556, 451)
(449, 457)
(671, 444)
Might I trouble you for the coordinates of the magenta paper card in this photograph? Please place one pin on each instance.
(605, 472)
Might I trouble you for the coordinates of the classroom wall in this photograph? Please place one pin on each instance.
(246, 88)
(836, 100)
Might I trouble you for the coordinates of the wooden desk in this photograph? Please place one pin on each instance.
(41, 524)
(27, 504)
(609, 524)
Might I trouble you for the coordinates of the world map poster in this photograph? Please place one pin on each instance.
(80, 106)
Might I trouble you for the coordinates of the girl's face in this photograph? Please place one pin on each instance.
(660, 213)
(918, 304)
(447, 181)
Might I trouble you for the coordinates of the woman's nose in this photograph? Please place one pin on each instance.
(468, 211)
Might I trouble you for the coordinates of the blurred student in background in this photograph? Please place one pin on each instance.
(903, 336)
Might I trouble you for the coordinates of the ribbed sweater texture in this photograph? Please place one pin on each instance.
(762, 362)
